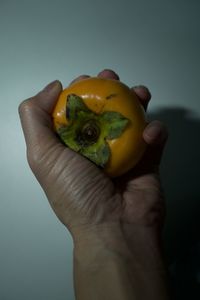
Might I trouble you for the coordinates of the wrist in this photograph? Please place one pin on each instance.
(102, 264)
(103, 256)
(100, 239)
(142, 248)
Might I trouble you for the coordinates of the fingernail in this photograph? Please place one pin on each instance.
(52, 85)
(143, 87)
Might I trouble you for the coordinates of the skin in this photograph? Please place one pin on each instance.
(116, 224)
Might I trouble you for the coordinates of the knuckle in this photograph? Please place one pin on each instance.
(25, 106)
(79, 78)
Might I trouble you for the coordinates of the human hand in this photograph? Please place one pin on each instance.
(82, 196)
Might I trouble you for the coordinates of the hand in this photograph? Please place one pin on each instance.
(81, 195)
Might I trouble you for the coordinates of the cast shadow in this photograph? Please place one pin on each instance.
(180, 176)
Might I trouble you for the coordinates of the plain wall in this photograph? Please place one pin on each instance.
(156, 43)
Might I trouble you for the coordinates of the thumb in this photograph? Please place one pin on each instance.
(35, 115)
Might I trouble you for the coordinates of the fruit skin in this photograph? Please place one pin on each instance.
(103, 94)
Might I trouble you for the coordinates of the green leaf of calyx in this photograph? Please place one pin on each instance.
(115, 124)
(74, 105)
(67, 134)
(99, 153)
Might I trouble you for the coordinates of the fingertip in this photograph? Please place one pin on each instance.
(142, 91)
(53, 86)
(143, 94)
(155, 133)
(107, 73)
(45, 99)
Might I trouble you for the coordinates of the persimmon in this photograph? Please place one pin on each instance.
(103, 120)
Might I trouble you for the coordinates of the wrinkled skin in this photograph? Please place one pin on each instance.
(81, 195)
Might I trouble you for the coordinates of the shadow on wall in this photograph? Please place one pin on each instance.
(180, 176)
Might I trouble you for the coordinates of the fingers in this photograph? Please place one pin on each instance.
(108, 74)
(143, 94)
(35, 115)
(155, 135)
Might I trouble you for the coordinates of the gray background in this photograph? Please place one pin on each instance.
(156, 43)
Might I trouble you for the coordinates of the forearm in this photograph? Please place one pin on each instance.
(104, 276)
(107, 269)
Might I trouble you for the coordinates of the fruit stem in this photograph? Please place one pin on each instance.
(89, 133)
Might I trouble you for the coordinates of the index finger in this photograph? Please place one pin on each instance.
(143, 94)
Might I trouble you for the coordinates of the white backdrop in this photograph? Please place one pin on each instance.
(156, 43)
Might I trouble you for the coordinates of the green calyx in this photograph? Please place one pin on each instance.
(87, 132)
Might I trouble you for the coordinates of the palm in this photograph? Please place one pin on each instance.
(85, 195)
